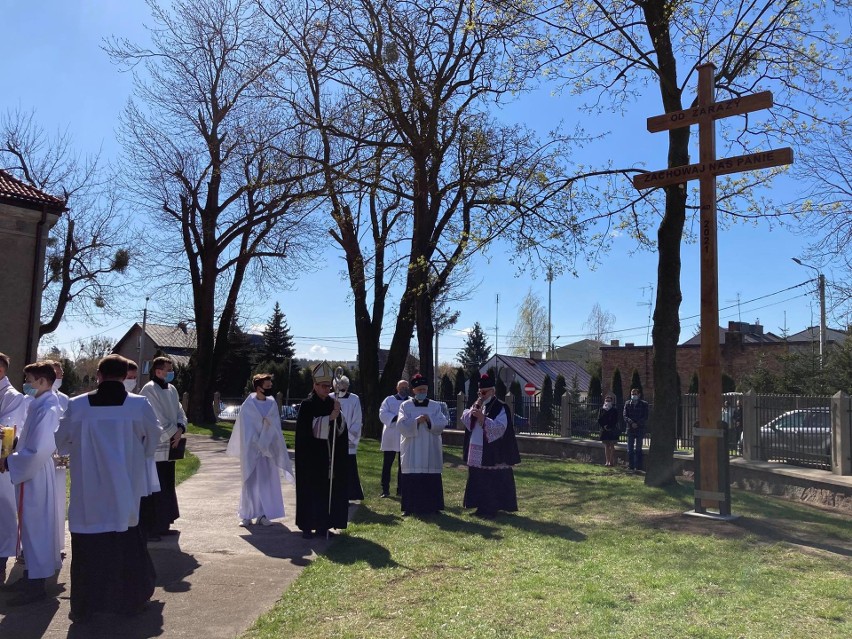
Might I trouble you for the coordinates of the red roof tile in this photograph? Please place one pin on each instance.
(15, 191)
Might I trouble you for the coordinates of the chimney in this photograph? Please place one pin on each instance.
(629, 344)
(535, 355)
(613, 342)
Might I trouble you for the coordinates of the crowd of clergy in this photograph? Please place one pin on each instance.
(121, 446)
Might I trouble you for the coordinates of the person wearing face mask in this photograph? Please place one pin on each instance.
(61, 397)
(350, 408)
(111, 437)
(608, 423)
(32, 471)
(322, 459)
(258, 441)
(636, 418)
(421, 456)
(490, 451)
(132, 378)
(13, 414)
(160, 510)
(60, 462)
(388, 414)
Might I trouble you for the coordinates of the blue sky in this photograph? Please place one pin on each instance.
(52, 62)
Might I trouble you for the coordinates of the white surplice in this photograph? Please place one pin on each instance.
(61, 505)
(258, 441)
(110, 447)
(166, 403)
(32, 470)
(13, 412)
(388, 415)
(350, 407)
(421, 446)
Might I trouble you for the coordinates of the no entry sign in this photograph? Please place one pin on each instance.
(529, 389)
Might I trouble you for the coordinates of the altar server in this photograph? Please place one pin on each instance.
(421, 423)
(321, 460)
(59, 461)
(350, 407)
(259, 443)
(13, 413)
(110, 435)
(32, 471)
(388, 414)
(160, 510)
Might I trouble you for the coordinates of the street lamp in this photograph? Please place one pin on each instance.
(822, 326)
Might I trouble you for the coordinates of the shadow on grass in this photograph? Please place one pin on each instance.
(350, 550)
(365, 515)
(219, 430)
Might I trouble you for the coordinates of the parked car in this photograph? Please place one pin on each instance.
(797, 435)
(228, 412)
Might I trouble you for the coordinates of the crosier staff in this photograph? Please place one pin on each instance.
(338, 373)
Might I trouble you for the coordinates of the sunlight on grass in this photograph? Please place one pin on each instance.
(592, 553)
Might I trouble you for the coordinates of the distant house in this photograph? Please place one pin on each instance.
(583, 352)
(524, 370)
(178, 342)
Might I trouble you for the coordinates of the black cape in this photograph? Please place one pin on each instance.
(503, 450)
(312, 465)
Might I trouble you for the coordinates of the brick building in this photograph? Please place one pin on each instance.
(743, 345)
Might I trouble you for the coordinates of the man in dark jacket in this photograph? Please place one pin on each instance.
(635, 418)
(490, 451)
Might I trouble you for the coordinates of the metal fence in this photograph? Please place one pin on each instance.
(793, 429)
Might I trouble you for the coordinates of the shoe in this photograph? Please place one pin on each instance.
(32, 591)
(405, 513)
(15, 586)
(326, 533)
(385, 495)
(484, 514)
(307, 534)
(244, 523)
(154, 538)
(263, 520)
(80, 617)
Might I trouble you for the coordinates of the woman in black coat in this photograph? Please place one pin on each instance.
(608, 422)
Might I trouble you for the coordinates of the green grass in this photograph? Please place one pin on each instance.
(219, 430)
(592, 553)
(186, 467)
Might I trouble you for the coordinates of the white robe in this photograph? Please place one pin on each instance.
(61, 506)
(13, 412)
(33, 473)
(110, 447)
(421, 446)
(166, 403)
(388, 415)
(351, 408)
(258, 441)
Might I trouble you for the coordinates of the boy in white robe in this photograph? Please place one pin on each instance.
(13, 413)
(388, 414)
(61, 471)
(258, 441)
(110, 436)
(350, 408)
(32, 470)
(421, 423)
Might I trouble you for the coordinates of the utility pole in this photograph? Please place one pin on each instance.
(549, 325)
(822, 324)
(140, 349)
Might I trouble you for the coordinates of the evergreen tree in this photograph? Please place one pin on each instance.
(458, 387)
(472, 389)
(500, 389)
(728, 383)
(545, 410)
(476, 351)
(636, 382)
(277, 341)
(595, 388)
(618, 388)
(236, 366)
(693, 384)
(574, 391)
(447, 389)
(517, 398)
(559, 389)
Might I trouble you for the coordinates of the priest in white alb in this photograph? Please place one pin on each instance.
(32, 471)
(350, 408)
(110, 436)
(259, 443)
(421, 456)
(13, 413)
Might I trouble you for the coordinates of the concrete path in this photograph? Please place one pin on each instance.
(213, 580)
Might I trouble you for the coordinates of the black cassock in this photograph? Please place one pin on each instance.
(312, 466)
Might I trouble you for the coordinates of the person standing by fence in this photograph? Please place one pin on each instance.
(636, 419)
(608, 423)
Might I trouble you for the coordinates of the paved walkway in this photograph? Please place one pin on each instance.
(213, 580)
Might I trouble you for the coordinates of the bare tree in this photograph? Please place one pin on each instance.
(419, 175)
(600, 323)
(611, 50)
(217, 162)
(531, 327)
(89, 251)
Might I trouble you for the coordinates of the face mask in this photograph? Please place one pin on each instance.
(129, 385)
(170, 377)
(607, 405)
(634, 398)
(56, 384)
(267, 391)
(342, 393)
(420, 396)
(29, 389)
(403, 393)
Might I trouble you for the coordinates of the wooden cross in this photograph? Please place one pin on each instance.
(712, 487)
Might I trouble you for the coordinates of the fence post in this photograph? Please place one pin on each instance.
(460, 399)
(279, 397)
(841, 434)
(750, 425)
(184, 402)
(216, 403)
(565, 416)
